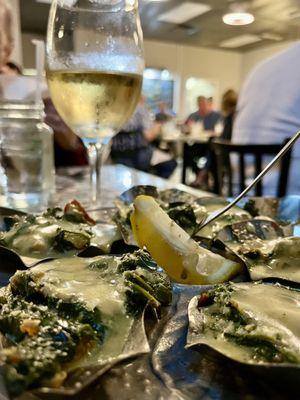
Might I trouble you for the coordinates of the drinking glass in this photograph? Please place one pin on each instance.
(95, 63)
(27, 177)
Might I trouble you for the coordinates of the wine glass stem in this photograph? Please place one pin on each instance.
(95, 151)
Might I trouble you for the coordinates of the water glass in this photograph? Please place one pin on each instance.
(27, 175)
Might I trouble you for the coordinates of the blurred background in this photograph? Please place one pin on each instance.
(207, 77)
(189, 50)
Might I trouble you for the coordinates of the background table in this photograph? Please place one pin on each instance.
(186, 141)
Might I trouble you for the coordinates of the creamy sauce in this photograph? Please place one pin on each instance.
(104, 236)
(273, 309)
(280, 258)
(69, 278)
(36, 240)
(229, 218)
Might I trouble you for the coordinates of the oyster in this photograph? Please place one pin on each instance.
(250, 230)
(237, 321)
(212, 204)
(182, 208)
(278, 258)
(75, 313)
(264, 248)
(56, 232)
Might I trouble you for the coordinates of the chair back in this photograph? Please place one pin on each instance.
(221, 151)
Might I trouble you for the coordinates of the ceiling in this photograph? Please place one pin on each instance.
(275, 21)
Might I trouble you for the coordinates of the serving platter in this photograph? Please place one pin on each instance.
(172, 371)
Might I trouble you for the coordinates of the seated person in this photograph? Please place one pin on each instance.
(209, 118)
(6, 40)
(229, 104)
(163, 115)
(132, 145)
(205, 115)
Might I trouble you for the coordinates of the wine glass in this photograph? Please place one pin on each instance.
(95, 64)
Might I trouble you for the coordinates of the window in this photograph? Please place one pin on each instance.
(158, 85)
(195, 87)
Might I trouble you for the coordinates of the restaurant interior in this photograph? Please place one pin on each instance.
(149, 199)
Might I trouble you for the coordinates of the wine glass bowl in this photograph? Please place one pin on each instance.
(94, 70)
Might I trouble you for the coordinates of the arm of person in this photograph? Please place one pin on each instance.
(151, 133)
(151, 129)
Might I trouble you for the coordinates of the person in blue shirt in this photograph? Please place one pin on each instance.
(269, 110)
(205, 114)
(209, 118)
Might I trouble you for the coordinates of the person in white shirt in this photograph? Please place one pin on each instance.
(269, 109)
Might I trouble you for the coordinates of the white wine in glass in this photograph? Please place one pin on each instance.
(92, 102)
(94, 70)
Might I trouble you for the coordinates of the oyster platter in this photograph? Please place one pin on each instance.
(139, 297)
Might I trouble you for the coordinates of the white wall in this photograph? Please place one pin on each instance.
(29, 49)
(17, 53)
(221, 67)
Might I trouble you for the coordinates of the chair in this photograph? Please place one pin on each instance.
(221, 151)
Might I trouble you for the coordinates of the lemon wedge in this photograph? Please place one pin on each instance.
(173, 249)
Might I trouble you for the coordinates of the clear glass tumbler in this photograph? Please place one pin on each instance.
(27, 174)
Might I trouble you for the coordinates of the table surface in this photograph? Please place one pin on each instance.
(73, 183)
(116, 179)
(201, 137)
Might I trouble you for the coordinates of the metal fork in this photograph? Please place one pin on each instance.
(215, 215)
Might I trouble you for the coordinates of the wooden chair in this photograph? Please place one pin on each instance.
(221, 151)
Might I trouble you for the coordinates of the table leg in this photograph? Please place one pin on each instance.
(184, 163)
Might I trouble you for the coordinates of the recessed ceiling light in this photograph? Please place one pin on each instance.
(239, 41)
(44, 1)
(238, 18)
(238, 15)
(271, 36)
(184, 12)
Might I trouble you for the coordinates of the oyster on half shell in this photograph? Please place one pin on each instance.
(253, 323)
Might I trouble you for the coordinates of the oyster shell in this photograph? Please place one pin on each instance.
(211, 204)
(55, 233)
(253, 323)
(267, 253)
(273, 259)
(71, 316)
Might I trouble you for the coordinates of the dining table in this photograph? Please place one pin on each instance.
(115, 179)
(183, 141)
(73, 183)
(169, 371)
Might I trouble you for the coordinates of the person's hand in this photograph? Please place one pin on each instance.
(5, 70)
(153, 132)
